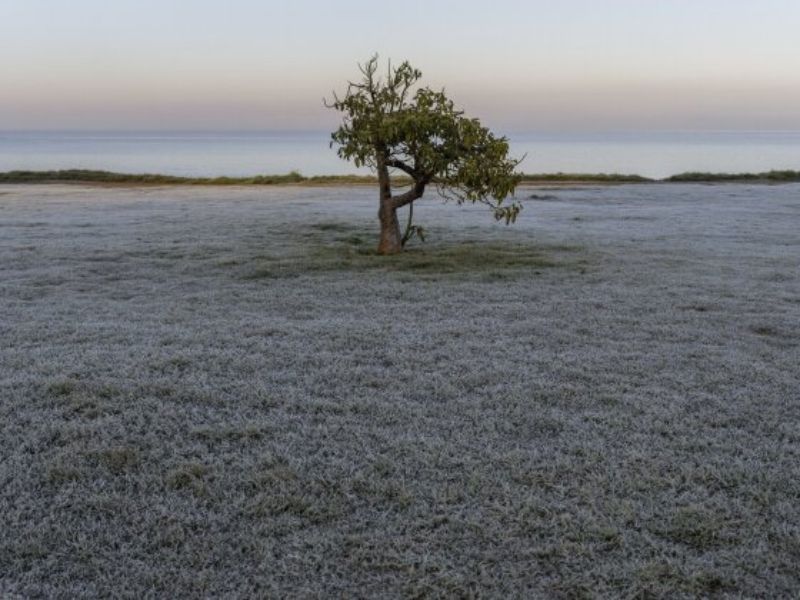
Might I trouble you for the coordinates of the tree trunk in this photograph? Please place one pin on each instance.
(390, 240)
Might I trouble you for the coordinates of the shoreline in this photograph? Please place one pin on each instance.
(294, 178)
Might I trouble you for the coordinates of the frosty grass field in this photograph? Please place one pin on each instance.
(222, 392)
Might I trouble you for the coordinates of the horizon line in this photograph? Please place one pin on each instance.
(295, 131)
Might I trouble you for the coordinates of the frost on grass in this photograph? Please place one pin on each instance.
(223, 392)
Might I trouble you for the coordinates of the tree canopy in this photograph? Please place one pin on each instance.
(390, 124)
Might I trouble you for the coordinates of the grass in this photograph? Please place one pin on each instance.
(295, 178)
(611, 178)
(785, 176)
(342, 247)
(107, 177)
(475, 418)
(698, 529)
(188, 476)
(766, 177)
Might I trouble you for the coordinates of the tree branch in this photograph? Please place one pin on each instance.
(399, 164)
(407, 235)
(415, 193)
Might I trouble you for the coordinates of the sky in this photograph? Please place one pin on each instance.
(519, 65)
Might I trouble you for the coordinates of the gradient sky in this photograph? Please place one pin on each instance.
(520, 65)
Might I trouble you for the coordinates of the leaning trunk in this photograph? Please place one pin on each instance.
(390, 241)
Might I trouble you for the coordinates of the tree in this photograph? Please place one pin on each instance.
(391, 125)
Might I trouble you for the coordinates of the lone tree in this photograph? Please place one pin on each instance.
(391, 125)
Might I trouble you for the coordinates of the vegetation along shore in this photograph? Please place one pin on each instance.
(295, 178)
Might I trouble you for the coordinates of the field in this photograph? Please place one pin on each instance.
(223, 392)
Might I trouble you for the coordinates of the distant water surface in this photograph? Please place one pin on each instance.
(251, 153)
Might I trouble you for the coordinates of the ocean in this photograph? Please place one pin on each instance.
(272, 152)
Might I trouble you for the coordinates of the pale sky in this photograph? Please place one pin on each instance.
(519, 65)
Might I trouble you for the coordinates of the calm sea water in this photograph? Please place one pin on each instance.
(238, 154)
